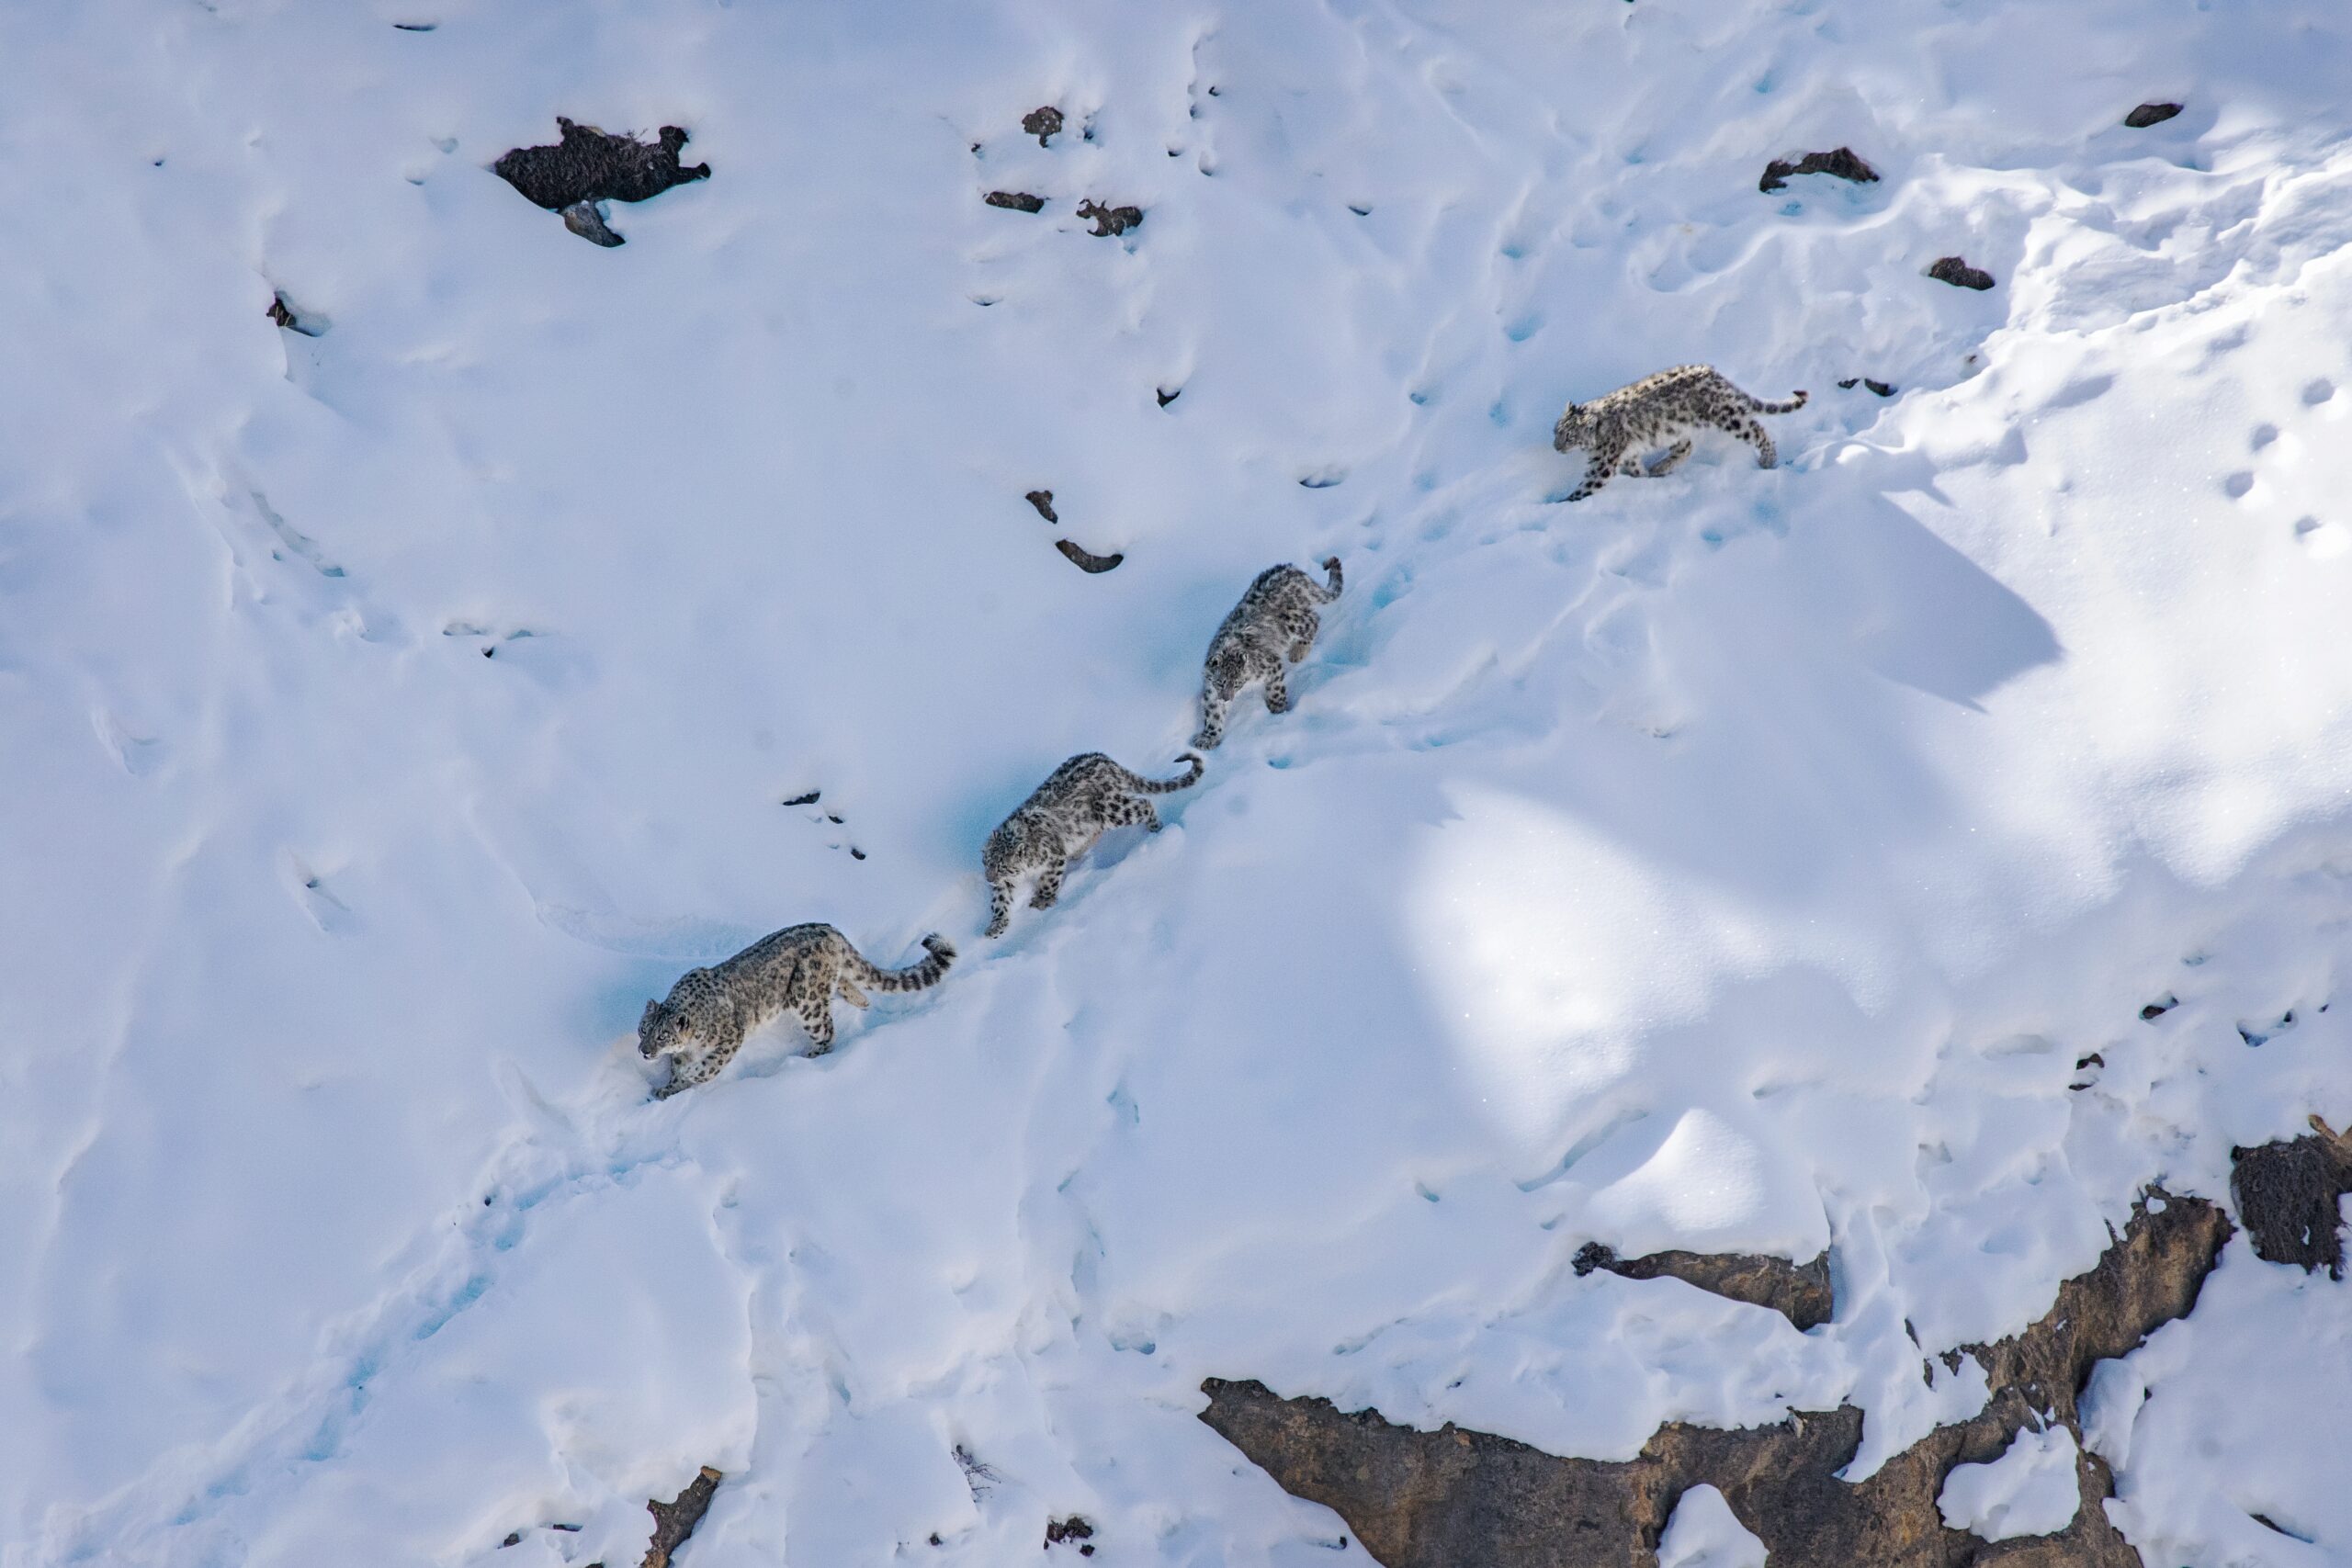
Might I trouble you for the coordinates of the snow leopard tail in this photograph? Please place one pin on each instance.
(1758, 405)
(940, 953)
(1331, 590)
(1170, 786)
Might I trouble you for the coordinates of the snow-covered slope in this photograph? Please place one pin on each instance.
(1738, 860)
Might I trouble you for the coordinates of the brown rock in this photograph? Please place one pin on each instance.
(1840, 162)
(1435, 1499)
(1110, 220)
(1085, 559)
(1798, 1292)
(2288, 1194)
(675, 1521)
(1019, 200)
(1959, 273)
(1042, 123)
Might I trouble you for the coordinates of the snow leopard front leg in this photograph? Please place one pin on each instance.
(1000, 905)
(1602, 467)
(1277, 691)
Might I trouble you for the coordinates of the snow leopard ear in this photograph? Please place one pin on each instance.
(653, 1012)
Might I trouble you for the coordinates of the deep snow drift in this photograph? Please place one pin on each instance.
(1738, 860)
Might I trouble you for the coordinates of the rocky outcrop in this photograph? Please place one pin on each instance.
(2290, 1194)
(2147, 115)
(1839, 161)
(1109, 221)
(1435, 1499)
(588, 166)
(1798, 1292)
(1959, 273)
(1043, 123)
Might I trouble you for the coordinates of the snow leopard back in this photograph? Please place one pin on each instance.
(1276, 620)
(1076, 804)
(1662, 411)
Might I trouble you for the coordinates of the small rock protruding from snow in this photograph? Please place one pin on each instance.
(2032, 1489)
(588, 166)
(1110, 220)
(1017, 201)
(1042, 123)
(1839, 161)
(2288, 1194)
(1705, 1533)
(2147, 115)
(1959, 273)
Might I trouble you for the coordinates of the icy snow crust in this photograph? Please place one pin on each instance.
(1738, 860)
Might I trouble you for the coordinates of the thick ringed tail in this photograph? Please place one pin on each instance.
(1796, 401)
(1331, 578)
(939, 953)
(1170, 786)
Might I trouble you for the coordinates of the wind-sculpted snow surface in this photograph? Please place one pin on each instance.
(1740, 860)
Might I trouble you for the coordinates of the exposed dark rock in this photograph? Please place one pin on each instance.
(590, 165)
(1959, 273)
(675, 1521)
(1436, 1499)
(810, 798)
(1042, 499)
(2147, 115)
(1018, 200)
(2288, 1194)
(1109, 221)
(1798, 1292)
(1881, 388)
(1042, 123)
(1167, 397)
(293, 321)
(1076, 1527)
(2158, 1008)
(1840, 162)
(586, 220)
(1085, 559)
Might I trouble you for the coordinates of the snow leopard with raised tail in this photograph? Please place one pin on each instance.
(709, 1013)
(1616, 430)
(1274, 621)
(1061, 820)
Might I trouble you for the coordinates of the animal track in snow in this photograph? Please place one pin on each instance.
(809, 801)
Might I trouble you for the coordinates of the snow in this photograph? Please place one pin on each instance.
(2030, 1490)
(1738, 860)
(2223, 1421)
(1703, 1533)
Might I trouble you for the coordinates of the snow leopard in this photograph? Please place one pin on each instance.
(1617, 429)
(709, 1013)
(1274, 621)
(1085, 795)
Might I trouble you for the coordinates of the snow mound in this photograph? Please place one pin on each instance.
(1704, 1533)
(2030, 1490)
